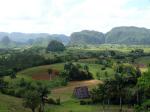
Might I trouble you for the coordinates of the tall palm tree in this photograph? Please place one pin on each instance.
(120, 85)
(99, 94)
(50, 73)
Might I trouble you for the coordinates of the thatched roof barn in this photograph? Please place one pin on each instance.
(81, 92)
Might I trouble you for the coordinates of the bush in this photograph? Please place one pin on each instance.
(138, 108)
(82, 102)
(103, 68)
(54, 102)
(20, 92)
(51, 101)
(85, 102)
(58, 101)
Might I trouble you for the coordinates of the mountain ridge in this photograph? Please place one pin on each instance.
(117, 35)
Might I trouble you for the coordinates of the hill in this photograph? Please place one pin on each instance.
(87, 37)
(36, 39)
(44, 41)
(128, 35)
(6, 42)
(118, 35)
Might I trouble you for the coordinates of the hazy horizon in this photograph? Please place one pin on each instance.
(67, 16)
(70, 33)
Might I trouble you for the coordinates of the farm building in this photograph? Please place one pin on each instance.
(81, 92)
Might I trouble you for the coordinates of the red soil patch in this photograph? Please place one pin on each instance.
(45, 75)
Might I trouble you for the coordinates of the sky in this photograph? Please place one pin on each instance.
(67, 16)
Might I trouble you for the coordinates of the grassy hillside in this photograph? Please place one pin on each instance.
(93, 68)
(28, 73)
(11, 104)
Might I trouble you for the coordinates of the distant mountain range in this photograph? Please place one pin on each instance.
(17, 39)
(118, 35)
(87, 37)
(128, 35)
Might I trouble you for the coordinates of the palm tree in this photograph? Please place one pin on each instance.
(102, 90)
(50, 73)
(109, 90)
(99, 94)
(86, 68)
(12, 73)
(120, 85)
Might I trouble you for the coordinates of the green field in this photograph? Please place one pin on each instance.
(11, 104)
(93, 68)
(28, 73)
(143, 60)
(74, 106)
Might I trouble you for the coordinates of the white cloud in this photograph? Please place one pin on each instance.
(67, 16)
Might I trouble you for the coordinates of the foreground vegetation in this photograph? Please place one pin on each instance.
(117, 77)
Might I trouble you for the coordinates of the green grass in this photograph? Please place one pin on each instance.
(70, 104)
(93, 68)
(11, 104)
(96, 68)
(143, 60)
(65, 93)
(90, 60)
(74, 106)
(28, 73)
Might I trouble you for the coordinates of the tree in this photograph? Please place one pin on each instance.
(55, 46)
(31, 100)
(68, 66)
(43, 92)
(99, 94)
(74, 72)
(3, 84)
(144, 85)
(12, 74)
(119, 83)
(86, 68)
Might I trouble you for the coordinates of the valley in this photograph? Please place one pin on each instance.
(62, 71)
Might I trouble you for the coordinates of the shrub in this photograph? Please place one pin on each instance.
(85, 102)
(103, 68)
(51, 101)
(54, 102)
(82, 102)
(58, 101)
